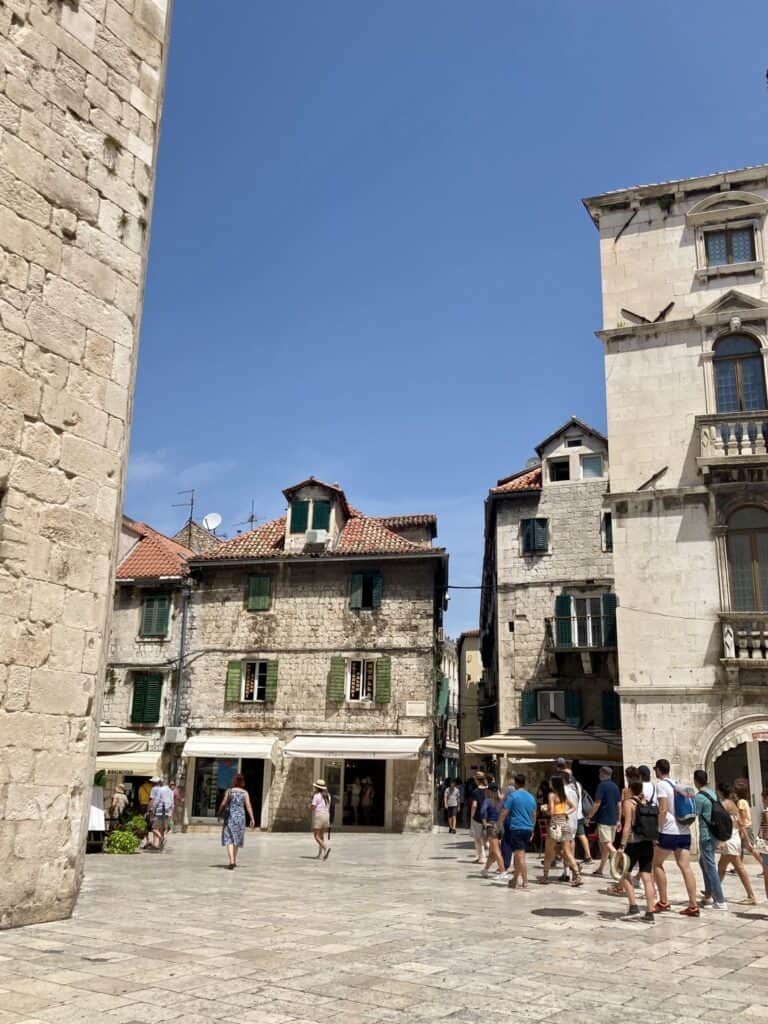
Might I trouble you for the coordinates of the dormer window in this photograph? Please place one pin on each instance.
(559, 469)
(299, 516)
(730, 245)
(321, 515)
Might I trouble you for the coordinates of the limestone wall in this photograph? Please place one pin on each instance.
(80, 100)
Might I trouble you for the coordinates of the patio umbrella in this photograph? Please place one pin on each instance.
(550, 738)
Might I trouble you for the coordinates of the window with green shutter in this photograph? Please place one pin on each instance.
(365, 590)
(383, 691)
(155, 614)
(611, 711)
(609, 619)
(270, 692)
(299, 516)
(321, 515)
(234, 681)
(563, 620)
(528, 707)
(535, 536)
(259, 593)
(336, 677)
(147, 694)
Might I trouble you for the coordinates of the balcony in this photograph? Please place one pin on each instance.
(581, 633)
(732, 439)
(745, 638)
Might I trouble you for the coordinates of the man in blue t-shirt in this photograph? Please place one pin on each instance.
(605, 813)
(517, 819)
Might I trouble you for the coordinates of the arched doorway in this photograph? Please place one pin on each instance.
(741, 752)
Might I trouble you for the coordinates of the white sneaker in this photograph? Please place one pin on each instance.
(706, 901)
(502, 879)
(720, 906)
(485, 873)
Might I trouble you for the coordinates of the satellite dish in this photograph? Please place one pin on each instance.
(211, 521)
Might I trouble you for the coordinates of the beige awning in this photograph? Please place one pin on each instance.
(550, 738)
(114, 740)
(145, 763)
(231, 743)
(369, 747)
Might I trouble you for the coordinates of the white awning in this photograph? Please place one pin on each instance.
(366, 747)
(234, 743)
(549, 738)
(145, 763)
(114, 740)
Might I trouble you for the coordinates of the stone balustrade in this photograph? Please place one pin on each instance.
(745, 637)
(741, 436)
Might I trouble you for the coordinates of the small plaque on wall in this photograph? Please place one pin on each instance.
(415, 709)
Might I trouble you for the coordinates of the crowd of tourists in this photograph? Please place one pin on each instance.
(651, 824)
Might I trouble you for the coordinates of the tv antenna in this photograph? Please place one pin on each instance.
(212, 521)
(190, 504)
(251, 520)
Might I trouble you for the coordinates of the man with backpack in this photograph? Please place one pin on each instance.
(714, 822)
(677, 810)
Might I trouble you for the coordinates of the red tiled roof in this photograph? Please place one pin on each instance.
(361, 535)
(525, 480)
(427, 519)
(153, 555)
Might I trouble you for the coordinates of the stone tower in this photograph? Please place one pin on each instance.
(81, 85)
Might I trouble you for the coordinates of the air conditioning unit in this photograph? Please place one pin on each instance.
(315, 538)
(176, 734)
(440, 635)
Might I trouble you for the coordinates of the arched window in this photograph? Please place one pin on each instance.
(739, 374)
(748, 559)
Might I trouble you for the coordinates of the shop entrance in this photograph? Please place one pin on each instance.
(358, 788)
(747, 761)
(214, 775)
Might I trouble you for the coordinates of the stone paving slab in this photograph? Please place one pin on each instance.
(389, 930)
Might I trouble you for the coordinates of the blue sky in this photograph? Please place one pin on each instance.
(370, 262)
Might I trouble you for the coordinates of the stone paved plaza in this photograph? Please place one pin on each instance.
(389, 929)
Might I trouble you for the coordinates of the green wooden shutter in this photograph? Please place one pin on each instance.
(609, 620)
(154, 692)
(573, 708)
(336, 678)
(299, 516)
(563, 623)
(527, 536)
(378, 586)
(321, 515)
(383, 681)
(528, 707)
(443, 695)
(611, 711)
(147, 694)
(540, 534)
(270, 692)
(356, 590)
(233, 687)
(259, 593)
(139, 699)
(155, 614)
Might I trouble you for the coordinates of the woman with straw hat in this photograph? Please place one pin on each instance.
(321, 817)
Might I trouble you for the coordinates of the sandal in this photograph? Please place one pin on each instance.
(578, 880)
(544, 880)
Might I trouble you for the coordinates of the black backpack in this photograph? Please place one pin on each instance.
(720, 822)
(645, 827)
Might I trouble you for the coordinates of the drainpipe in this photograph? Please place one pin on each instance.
(186, 593)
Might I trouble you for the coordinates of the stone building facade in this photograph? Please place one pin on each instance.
(311, 649)
(470, 700)
(447, 712)
(80, 101)
(685, 331)
(548, 628)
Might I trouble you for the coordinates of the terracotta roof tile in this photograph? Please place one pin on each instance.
(153, 555)
(426, 519)
(361, 535)
(525, 480)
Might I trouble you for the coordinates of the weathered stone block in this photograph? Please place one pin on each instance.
(19, 391)
(29, 240)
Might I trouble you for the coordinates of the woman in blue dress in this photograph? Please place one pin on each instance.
(232, 811)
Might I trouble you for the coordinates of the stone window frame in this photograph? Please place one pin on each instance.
(543, 553)
(560, 460)
(757, 330)
(357, 701)
(745, 210)
(724, 511)
(592, 455)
